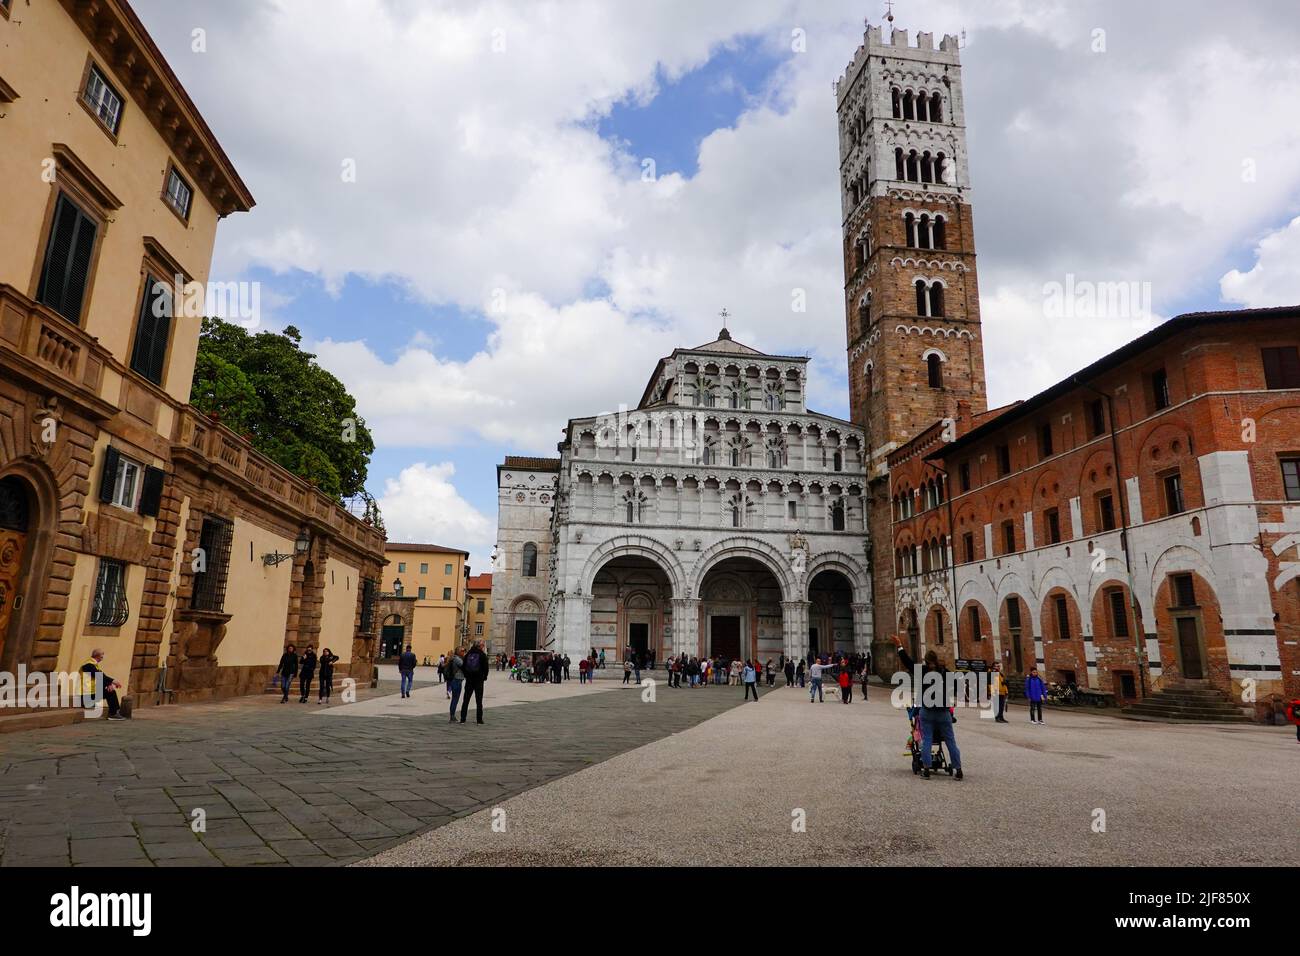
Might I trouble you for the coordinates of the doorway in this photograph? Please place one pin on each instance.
(525, 635)
(391, 640)
(724, 637)
(638, 638)
(1189, 648)
(813, 647)
(1017, 653)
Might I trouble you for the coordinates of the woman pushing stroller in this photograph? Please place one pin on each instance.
(935, 719)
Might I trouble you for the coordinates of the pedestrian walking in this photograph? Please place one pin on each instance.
(1035, 691)
(306, 673)
(455, 679)
(845, 679)
(602, 658)
(750, 677)
(476, 675)
(936, 718)
(326, 661)
(799, 673)
(406, 669)
(1003, 691)
(286, 671)
(567, 662)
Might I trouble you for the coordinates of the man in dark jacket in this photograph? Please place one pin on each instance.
(306, 672)
(96, 682)
(935, 716)
(476, 674)
(406, 667)
(286, 671)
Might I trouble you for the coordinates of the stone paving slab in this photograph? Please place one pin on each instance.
(279, 785)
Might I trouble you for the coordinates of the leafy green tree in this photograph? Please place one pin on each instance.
(297, 413)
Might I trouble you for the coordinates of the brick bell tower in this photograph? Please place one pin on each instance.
(910, 293)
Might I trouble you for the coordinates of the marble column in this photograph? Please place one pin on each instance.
(686, 626)
(794, 628)
(862, 624)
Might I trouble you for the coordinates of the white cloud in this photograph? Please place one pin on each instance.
(422, 504)
(1275, 277)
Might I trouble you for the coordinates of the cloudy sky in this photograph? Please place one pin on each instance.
(489, 217)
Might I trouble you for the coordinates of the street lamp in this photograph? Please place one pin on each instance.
(397, 587)
(301, 545)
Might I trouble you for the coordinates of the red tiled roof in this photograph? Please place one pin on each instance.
(480, 582)
(522, 463)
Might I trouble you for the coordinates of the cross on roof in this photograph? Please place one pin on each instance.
(725, 315)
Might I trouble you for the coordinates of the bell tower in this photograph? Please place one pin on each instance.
(910, 292)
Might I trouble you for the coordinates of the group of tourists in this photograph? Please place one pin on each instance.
(465, 669)
(305, 668)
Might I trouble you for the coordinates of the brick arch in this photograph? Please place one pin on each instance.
(936, 629)
(1089, 487)
(1213, 646)
(1025, 638)
(846, 565)
(1156, 455)
(1116, 650)
(972, 648)
(1062, 652)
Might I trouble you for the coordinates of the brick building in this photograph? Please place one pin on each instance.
(1189, 438)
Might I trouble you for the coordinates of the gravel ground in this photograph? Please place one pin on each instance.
(731, 791)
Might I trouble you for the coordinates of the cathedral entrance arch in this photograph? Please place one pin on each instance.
(741, 619)
(631, 609)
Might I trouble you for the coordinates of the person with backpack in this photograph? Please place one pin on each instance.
(406, 667)
(306, 672)
(476, 675)
(286, 671)
(1036, 692)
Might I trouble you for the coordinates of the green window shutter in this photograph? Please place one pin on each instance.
(108, 475)
(151, 491)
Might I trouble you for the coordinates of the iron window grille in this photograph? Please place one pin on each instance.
(367, 604)
(210, 584)
(110, 608)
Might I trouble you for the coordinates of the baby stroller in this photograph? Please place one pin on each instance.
(938, 757)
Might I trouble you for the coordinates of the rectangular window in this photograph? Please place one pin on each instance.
(178, 193)
(1281, 367)
(446, 594)
(1045, 440)
(1173, 487)
(1008, 537)
(1118, 612)
(478, 629)
(1106, 511)
(367, 604)
(446, 569)
(1159, 389)
(401, 567)
(1096, 418)
(1291, 478)
(1004, 460)
(1062, 619)
(1053, 519)
(110, 607)
(423, 593)
(963, 472)
(104, 101)
(1013, 613)
(974, 613)
(1184, 590)
(481, 606)
(210, 583)
(126, 484)
(152, 330)
(793, 509)
(424, 569)
(968, 545)
(65, 271)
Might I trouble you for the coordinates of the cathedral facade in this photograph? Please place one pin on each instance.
(719, 516)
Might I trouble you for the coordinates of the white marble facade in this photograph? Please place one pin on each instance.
(719, 515)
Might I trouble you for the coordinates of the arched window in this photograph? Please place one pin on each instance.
(735, 457)
(736, 515)
(837, 516)
(909, 105)
(706, 455)
(909, 222)
(897, 102)
(529, 566)
(774, 458)
(936, 108)
(837, 461)
(631, 511)
(913, 167)
(927, 175)
(923, 233)
(922, 297)
(940, 233)
(898, 163)
(940, 169)
(922, 107)
(708, 399)
(870, 373)
(936, 300)
(934, 368)
(735, 399)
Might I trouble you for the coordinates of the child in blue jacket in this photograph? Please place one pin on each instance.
(1035, 690)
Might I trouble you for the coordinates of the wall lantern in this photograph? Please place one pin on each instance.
(301, 545)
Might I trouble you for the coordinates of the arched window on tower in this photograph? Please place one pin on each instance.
(529, 564)
(909, 223)
(936, 300)
(897, 101)
(837, 516)
(923, 233)
(909, 105)
(900, 173)
(936, 108)
(913, 167)
(940, 233)
(934, 369)
(837, 461)
(927, 170)
(940, 169)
